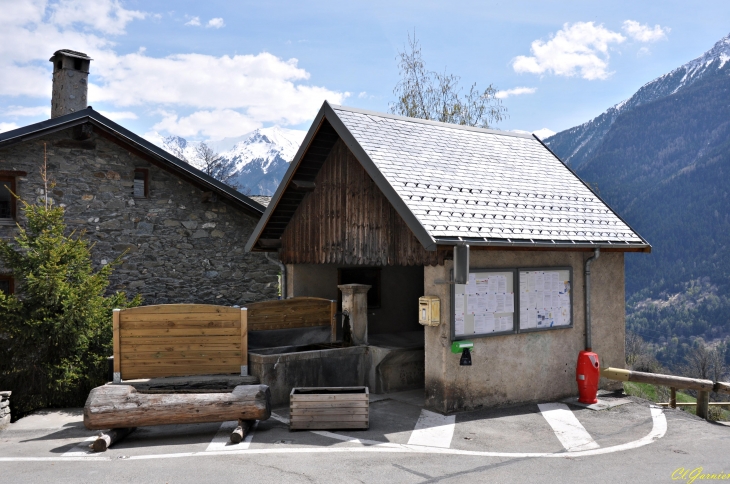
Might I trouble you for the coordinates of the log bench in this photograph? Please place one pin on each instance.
(188, 363)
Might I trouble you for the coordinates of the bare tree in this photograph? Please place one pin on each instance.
(425, 94)
(212, 164)
(639, 355)
(705, 362)
(205, 159)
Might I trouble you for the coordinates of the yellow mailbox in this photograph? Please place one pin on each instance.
(429, 310)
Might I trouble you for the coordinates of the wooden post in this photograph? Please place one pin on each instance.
(673, 397)
(703, 407)
(104, 441)
(117, 353)
(240, 432)
(333, 321)
(244, 342)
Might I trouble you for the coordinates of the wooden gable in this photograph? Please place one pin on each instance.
(346, 219)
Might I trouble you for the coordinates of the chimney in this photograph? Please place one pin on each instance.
(70, 74)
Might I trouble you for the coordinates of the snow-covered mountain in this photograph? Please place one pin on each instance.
(576, 145)
(259, 159)
(262, 157)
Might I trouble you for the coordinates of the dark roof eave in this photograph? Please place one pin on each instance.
(545, 244)
(283, 184)
(100, 121)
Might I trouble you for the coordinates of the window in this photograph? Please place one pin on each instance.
(7, 200)
(6, 285)
(141, 183)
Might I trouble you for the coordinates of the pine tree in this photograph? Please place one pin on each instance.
(55, 330)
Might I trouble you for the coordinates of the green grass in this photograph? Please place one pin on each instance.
(660, 394)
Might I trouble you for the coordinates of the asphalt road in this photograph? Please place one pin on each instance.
(627, 443)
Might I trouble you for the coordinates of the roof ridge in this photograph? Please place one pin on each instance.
(428, 121)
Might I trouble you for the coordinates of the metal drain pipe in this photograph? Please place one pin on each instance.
(587, 273)
(283, 274)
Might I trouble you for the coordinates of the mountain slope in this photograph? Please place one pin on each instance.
(577, 145)
(662, 160)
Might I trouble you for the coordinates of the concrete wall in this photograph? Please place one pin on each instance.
(180, 248)
(526, 367)
(401, 286)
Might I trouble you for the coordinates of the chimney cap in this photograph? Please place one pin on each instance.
(70, 53)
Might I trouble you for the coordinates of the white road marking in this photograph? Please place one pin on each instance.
(659, 429)
(81, 449)
(567, 428)
(433, 430)
(222, 439)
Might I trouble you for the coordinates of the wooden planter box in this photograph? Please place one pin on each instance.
(329, 408)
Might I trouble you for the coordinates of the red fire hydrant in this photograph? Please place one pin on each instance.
(587, 373)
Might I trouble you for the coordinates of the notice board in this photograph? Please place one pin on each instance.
(545, 298)
(485, 305)
(520, 300)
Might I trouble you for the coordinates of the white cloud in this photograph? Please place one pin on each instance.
(244, 91)
(217, 124)
(119, 115)
(543, 133)
(644, 33)
(578, 49)
(216, 23)
(8, 127)
(194, 21)
(515, 92)
(644, 51)
(108, 16)
(362, 95)
(28, 111)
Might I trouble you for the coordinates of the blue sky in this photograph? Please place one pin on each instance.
(207, 70)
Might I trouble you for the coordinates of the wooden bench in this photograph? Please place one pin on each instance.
(172, 340)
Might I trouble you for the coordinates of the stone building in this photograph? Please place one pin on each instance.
(183, 231)
(383, 200)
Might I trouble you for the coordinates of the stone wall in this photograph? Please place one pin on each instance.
(181, 249)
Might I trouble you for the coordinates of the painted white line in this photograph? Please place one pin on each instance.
(433, 430)
(222, 439)
(659, 429)
(331, 435)
(81, 449)
(567, 428)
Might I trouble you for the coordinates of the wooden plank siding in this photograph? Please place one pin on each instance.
(199, 339)
(348, 220)
(178, 340)
(298, 312)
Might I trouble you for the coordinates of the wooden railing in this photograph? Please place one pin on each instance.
(703, 387)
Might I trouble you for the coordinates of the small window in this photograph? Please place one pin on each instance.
(141, 183)
(7, 200)
(6, 285)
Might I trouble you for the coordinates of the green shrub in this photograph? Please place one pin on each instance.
(55, 331)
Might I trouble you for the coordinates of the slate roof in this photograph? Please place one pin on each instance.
(155, 153)
(455, 183)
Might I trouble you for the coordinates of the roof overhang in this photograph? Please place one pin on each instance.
(327, 113)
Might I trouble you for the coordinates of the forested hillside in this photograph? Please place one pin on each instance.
(664, 165)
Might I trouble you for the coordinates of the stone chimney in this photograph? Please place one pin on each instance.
(70, 86)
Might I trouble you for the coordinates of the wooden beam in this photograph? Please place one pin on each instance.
(244, 341)
(657, 379)
(106, 440)
(121, 406)
(117, 347)
(240, 432)
(303, 185)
